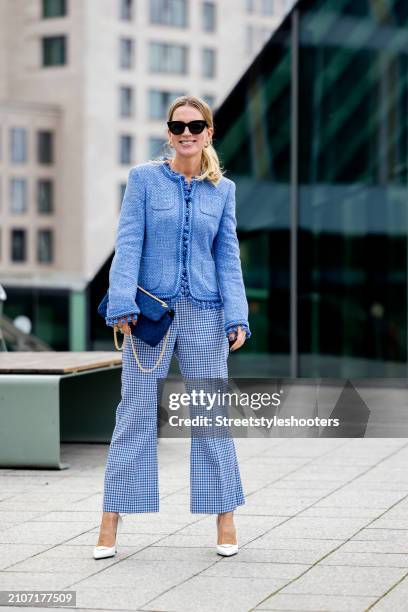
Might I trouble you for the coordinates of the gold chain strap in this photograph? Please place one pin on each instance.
(159, 358)
(166, 337)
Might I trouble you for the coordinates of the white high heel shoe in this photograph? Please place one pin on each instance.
(226, 550)
(102, 552)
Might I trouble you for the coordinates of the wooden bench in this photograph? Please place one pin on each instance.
(49, 397)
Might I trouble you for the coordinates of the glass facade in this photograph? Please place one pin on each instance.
(126, 53)
(126, 10)
(156, 147)
(48, 311)
(54, 51)
(44, 246)
(168, 58)
(125, 149)
(208, 16)
(126, 101)
(18, 245)
(208, 63)
(45, 196)
(169, 12)
(315, 135)
(159, 101)
(18, 145)
(45, 147)
(18, 195)
(54, 8)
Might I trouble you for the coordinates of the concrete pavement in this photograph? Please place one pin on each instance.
(325, 528)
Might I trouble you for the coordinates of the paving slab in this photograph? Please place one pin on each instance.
(316, 603)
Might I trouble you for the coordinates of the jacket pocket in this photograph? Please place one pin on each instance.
(150, 272)
(209, 275)
(211, 205)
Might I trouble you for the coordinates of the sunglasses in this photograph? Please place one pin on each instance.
(195, 127)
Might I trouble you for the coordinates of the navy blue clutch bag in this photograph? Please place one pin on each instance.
(153, 321)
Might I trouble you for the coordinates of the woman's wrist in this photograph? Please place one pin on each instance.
(233, 328)
(111, 321)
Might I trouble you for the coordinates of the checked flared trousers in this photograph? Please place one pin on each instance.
(198, 340)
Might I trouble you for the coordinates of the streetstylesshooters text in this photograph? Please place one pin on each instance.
(253, 401)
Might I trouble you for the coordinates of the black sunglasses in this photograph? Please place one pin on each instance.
(195, 127)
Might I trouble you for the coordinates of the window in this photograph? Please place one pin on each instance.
(208, 9)
(45, 149)
(169, 12)
(126, 101)
(126, 58)
(122, 189)
(54, 8)
(18, 245)
(125, 149)
(267, 7)
(45, 196)
(159, 101)
(208, 67)
(18, 145)
(210, 99)
(54, 51)
(156, 146)
(126, 10)
(18, 195)
(44, 246)
(168, 58)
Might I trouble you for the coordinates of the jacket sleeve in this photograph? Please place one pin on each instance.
(229, 271)
(124, 270)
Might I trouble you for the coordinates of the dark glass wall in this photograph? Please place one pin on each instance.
(48, 311)
(253, 140)
(339, 162)
(352, 235)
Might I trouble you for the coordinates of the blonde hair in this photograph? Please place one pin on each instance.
(210, 164)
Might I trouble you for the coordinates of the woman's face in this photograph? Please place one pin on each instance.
(188, 144)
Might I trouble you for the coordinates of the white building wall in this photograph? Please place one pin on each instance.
(83, 97)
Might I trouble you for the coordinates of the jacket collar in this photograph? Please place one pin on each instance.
(176, 176)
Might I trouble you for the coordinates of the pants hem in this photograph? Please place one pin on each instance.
(131, 510)
(217, 511)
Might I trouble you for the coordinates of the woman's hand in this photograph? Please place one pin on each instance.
(124, 325)
(241, 336)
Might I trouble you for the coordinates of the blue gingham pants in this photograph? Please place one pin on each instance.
(201, 347)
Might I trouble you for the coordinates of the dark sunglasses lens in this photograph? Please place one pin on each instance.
(196, 127)
(176, 127)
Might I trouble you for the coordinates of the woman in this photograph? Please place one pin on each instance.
(177, 239)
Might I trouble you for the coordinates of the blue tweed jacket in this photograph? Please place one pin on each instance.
(177, 238)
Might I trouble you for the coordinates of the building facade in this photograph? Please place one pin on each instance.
(84, 87)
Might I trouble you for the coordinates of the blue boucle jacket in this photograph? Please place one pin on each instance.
(176, 238)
